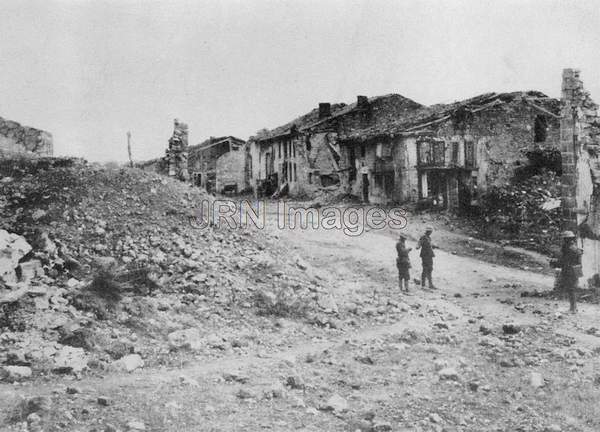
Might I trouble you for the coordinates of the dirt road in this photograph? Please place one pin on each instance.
(378, 360)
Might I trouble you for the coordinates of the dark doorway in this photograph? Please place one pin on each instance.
(437, 190)
(365, 188)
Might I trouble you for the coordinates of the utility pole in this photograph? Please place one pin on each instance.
(129, 149)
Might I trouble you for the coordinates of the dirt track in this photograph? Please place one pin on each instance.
(381, 353)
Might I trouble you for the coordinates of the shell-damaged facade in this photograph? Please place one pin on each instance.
(390, 149)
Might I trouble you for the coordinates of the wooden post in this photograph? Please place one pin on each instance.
(129, 149)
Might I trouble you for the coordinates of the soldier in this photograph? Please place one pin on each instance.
(426, 257)
(403, 262)
(570, 265)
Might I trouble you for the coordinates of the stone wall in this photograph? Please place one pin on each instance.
(230, 170)
(502, 135)
(580, 151)
(15, 139)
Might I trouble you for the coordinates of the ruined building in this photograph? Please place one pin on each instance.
(390, 149)
(305, 155)
(580, 151)
(17, 139)
(218, 163)
(176, 157)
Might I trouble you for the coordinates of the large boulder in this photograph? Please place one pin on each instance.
(13, 248)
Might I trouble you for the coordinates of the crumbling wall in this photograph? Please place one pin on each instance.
(15, 138)
(502, 136)
(580, 144)
(230, 171)
(177, 152)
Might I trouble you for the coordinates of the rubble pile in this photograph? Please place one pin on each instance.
(524, 213)
(97, 265)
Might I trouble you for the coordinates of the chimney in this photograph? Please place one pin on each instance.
(324, 110)
(362, 101)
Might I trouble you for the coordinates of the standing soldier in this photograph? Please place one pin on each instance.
(426, 257)
(403, 262)
(570, 265)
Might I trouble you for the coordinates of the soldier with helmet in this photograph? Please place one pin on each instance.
(570, 268)
(403, 263)
(426, 257)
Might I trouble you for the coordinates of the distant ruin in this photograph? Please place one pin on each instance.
(177, 152)
(18, 139)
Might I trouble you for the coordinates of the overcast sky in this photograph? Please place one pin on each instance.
(89, 71)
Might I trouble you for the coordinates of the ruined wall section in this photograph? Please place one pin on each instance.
(230, 170)
(501, 136)
(15, 139)
(580, 144)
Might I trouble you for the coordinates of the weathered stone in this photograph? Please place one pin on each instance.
(136, 425)
(327, 303)
(17, 373)
(335, 403)
(536, 380)
(38, 214)
(12, 249)
(103, 400)
(70, 359)
(128, 363)
(30, 270)
(448, 374)
(245, 394)
(185, 339)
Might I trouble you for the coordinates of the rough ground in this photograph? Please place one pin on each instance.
(318, 338)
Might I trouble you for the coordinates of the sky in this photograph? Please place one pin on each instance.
(89, 71)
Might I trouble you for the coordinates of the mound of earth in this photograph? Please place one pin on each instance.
(114, 271)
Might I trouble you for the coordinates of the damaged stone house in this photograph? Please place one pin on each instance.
(218, 164)
(445, 155)
(390, 149)
(18, 139)
(580, 151)
(304, 156)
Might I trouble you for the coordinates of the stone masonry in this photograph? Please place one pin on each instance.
(580, 151)
(18, 139)
(177, 153)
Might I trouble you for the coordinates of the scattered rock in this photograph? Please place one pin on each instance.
(485, 330)
(69, 359)
(536, 380)
(448, 374)
(30, 270)
(13, 247)
(136, 425)
(381, 427)
(103, 401)
(511, 329)
(16, 373)
(129, 363)
(235, 377)
(185, 339)
(335, 403)
(245, 394)
(435, 418)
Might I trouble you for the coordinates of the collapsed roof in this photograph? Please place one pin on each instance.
(398, 114)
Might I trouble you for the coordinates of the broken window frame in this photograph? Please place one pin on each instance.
(470, 154)
(540, 129)
(431, 152)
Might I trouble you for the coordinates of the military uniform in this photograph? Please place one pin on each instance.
(403, 264)
(426, 259)
(568, 278)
